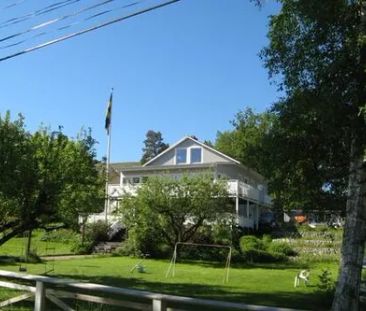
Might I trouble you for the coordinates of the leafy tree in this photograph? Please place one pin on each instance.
(317, 49)
(154, 145)
(245, 141)
(48, 178)
(166, 211)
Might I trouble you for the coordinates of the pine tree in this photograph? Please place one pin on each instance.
(154, 145)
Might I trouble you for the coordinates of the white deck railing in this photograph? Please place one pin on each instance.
(96, 293)
(235, 187)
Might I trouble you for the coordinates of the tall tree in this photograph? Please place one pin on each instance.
(154, 144)
(47, 178)
(317, 50)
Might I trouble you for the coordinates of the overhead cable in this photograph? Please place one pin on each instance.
(75, 34)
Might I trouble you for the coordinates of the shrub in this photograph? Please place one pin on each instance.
(264, 250)
(325, 281)
(94, 233)
(267, 239)
(326, 285)
(281, 248)
(250, 243)
(97, 232)
(83, 248)
(262, 256)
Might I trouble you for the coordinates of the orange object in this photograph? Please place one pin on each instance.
(300, 218)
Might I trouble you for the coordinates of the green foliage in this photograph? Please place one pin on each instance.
(46, 177)
(245, 141)
(250, 242)
(281, 248)
(326, 282)
(267, 239)
(166, 211)
(97, 232)
(264, 250)
(315, 51)
(93, 234)
(83, 247)
(153, 146)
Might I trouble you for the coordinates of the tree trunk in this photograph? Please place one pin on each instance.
(28, 245)
(354, 236)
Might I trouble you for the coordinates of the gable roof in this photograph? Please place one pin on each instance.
(197, 142)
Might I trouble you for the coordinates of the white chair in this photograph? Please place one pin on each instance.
(302, 275)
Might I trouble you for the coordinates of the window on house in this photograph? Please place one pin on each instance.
(181, 156)
(196, 155)
(136, 180)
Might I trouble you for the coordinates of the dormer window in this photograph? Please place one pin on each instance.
(196, 155)
(181, 156)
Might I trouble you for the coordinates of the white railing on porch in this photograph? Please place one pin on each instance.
(143, 300)
(237, 187)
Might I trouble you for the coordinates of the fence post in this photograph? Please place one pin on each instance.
(158, 304)
(40, 301)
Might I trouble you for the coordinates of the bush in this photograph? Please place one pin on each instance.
(94, 233)
(267, 239)
(325, 281)
(262, 256)
(250, 243)
(83, 248)
(326, 285)
(264, 250)
(281, 248)
(97, 232)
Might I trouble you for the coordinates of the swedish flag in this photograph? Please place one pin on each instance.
(108, 116)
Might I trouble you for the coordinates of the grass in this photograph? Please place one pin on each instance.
(269, 284)
(15, 246)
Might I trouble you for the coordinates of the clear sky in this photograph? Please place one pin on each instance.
(185, 69)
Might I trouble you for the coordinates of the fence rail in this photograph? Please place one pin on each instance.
(142, 300)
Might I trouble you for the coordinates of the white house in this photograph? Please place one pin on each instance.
(189, 156)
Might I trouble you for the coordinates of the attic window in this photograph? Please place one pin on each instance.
(181, 156)
(196, 155)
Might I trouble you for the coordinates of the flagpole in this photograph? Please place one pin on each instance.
(109, 134)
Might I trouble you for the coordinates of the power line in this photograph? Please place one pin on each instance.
(75, 34)
(44, 10)
(50, 22)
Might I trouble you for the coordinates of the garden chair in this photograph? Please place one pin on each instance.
(303, 275)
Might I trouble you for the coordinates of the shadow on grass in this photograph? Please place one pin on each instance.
(297, 299)
(9, 260)
(270, 266)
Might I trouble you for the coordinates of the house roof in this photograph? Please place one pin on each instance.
(197, 142)
(118, 166)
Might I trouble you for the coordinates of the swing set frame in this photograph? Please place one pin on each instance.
(171, 268)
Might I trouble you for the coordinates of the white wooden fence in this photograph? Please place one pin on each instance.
(97, 293)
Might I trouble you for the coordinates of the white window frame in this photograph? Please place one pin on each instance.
(176, 156)
(188, 155)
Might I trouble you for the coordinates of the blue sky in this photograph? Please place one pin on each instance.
(185, 69)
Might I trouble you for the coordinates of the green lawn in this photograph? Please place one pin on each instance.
(16, 246)
(270, 284)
